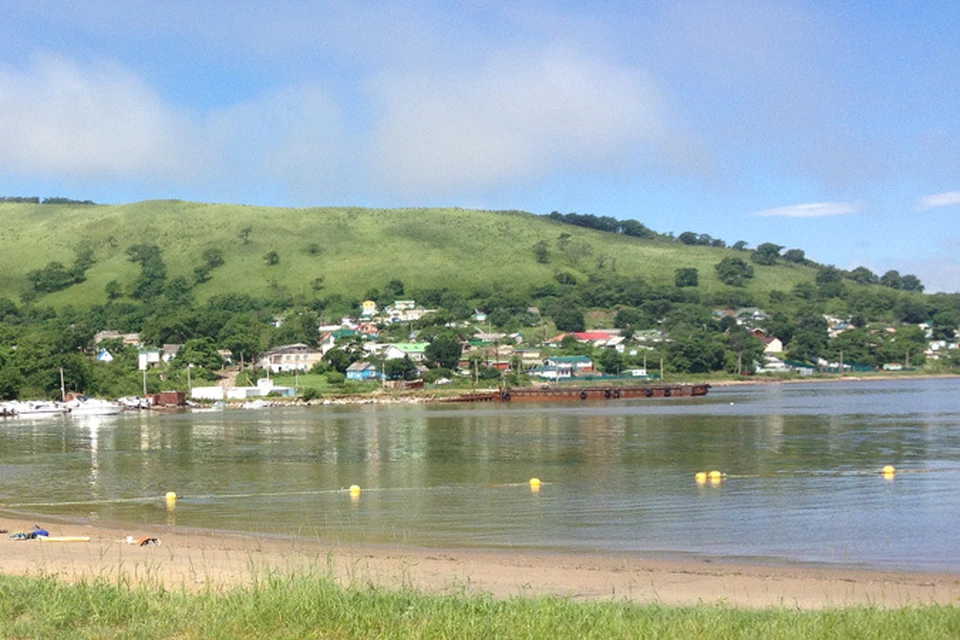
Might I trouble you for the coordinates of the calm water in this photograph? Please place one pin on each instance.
(801, 461)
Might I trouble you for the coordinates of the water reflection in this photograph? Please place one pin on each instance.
(802, 467)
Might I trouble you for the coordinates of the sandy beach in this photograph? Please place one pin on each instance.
(197, 560)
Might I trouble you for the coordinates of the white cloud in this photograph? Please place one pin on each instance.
(99, 120)
(514, 120)
(293, 136)
(938, 200)
(810, 210)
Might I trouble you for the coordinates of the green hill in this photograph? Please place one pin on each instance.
(351, 249)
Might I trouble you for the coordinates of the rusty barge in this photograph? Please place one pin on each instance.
(584, 393)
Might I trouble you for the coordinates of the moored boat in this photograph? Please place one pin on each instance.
(35, 408)
(83, 406)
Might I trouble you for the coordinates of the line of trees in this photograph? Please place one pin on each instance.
(38, 200)
(609, 224)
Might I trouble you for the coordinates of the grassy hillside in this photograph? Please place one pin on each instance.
(351, 249)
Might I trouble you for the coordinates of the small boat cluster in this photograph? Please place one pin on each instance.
(76, 406)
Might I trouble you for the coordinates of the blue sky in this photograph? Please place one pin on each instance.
(830, 127)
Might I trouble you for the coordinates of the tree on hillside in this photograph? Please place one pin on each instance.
(695, 352)
(744, 350)
(810, 338)
(829, 279)
(272, 258)
(944, 325)
(733, 271)
(541, 252)
(444, 351)
(911, 310)
(299, 325)
(635, 229)
(400, 369)
(686, 277)
(569, 318)
(113, 290)
(892, 279)
(908, 343)
(910, 282)
(767, 254)
(212, 257)
(153, 271)
(338, 359)
(796, 256)
(862, 275)
(199, 352)
(244, 235)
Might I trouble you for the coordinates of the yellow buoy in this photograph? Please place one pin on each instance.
(701, 477)
(715, 475)
(535, 483)
(171, 495)
(171, 500)
(888, 470)
(354, 490)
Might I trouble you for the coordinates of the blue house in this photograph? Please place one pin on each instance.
(363, 371)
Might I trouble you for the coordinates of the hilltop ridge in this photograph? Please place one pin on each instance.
(340, 250)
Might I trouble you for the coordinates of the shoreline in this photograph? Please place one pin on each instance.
(195, 560)
(437, 396)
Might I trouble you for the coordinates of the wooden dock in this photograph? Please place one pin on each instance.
(584, 393)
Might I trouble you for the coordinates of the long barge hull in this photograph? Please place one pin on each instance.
(585, 394)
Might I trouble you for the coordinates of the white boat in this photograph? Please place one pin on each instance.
(82, 406)
(135, 402)
(37, 408)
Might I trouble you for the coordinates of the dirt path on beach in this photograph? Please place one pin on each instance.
(202, 560)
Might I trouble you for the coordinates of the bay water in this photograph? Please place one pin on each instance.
(801, 462)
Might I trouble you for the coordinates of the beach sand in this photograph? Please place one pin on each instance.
(198, 560)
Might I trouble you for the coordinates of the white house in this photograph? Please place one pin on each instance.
(264, 387)
(412, 350)
(549, 372)
(772, 345)
(148, 358)
(290, 357)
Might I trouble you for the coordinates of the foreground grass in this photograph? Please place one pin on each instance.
(310, 606)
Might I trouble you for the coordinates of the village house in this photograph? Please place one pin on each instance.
(578, 365)
(264, 387)
(772, 346)
(412, 350)
(291, 357)
(547, 372)
(169, 351)
(127, 338)
(148, 359)
(405, 311)
(363, 371)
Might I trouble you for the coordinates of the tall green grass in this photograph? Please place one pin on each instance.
(309, 606)
(352, 249)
